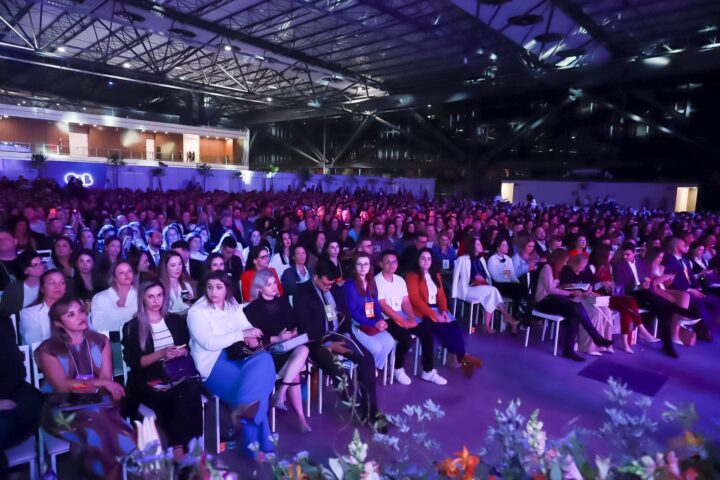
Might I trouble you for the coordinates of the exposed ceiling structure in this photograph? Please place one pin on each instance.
(246, 62)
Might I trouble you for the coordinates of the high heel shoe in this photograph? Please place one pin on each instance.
(279, 404)
(305, 429)
(602, 342)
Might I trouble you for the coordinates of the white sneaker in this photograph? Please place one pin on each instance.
(434, 377)
(401, 377)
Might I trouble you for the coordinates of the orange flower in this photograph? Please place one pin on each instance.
(693, 440)
(448, 468)
(690, 474)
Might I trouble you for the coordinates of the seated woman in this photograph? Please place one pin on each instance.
(471, 284)
(24, 293)
(258, 259)
(368, 325)
(601, 317)
(331, 255)
(217, 322)
(580, 246)
(109, 257)
(502, 271)
(34, 320)
(179, 285)
(61, 256)
(429, 302)
(550, 298)
(113, 307)
(155, 336)
(76, 359)
(272, 314)
(601, 268)
(85, 282)
(280, 260)
(298, 272)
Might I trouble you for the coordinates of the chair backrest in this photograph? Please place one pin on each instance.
(25, 349)
(116, 354)
(13, 320)
(37, 375)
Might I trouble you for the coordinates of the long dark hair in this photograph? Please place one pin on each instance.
(142, 316)
(57, 310)
(41, 296)
(470, 246)
(369, 278)
(434, 267)
(556, 260)
(254, 254)
(229, 289)
(280, 249)
(600, 256)
(24, 261)
(56, 260)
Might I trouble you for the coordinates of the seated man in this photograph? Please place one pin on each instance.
(326, 320)
(633, 275)
(702, 306)
(402, 322)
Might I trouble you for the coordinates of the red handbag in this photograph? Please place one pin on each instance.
(368, 330)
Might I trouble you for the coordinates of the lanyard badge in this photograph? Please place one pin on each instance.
(369, 309)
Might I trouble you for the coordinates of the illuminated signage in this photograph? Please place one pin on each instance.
(85, 178)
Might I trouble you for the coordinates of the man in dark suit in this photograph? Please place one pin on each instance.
(154, 244)
(324, 315)
(633, 275)
(193, 267)
(702, 306)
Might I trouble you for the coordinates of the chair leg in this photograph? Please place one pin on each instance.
(320, 392)
(557, 336)
(53, 464)
(545, 324)
(309, 394)
(455, 300)
(527, 335)
(217, 425)
(391, 367)
(655, 326)
(417, 356)
(444, 356)
(470, 320)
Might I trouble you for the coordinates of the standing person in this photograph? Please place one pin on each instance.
(368, 324)
(550, 298)
(244, 383)
(35, 325)
(8, 255)
(112, 307)
(20, 402)
(272, 314)
(428, 300)
(402, 322)
(471, 283)
(76, 359)
(151, 339)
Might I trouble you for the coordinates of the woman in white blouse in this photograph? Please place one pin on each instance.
(111, 308)
(228, 354)
(34, 320)
(502, 271)
(280, 261)
(177, 282)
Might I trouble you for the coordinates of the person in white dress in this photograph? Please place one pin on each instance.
(472, 283)
(111, 308)
(280, 261)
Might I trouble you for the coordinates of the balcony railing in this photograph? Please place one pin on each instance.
(66, 150)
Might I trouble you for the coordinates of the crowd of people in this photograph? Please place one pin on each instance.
(205, 286)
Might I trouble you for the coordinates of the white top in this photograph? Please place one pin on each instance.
(497, 269)
(432, 290)
(30, 294)
(633, 268)
(212, 330)
(106, 315)
(392, 292)
(278, 265)
(198, 256)
(34, 324)
(176, 304)
(161, 335)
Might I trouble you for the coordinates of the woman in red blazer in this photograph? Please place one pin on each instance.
(429, 302)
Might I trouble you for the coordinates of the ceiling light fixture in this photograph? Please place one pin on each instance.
(126, 65)
(227, 48)
(61, 49)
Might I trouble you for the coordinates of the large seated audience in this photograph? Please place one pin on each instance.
(204, 286)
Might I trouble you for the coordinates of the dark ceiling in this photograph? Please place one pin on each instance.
(246, 62)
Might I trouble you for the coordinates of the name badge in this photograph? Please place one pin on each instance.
(369, 310)
(330, 313)
(446, 264)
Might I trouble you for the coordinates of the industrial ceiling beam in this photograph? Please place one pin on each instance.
(578, 15)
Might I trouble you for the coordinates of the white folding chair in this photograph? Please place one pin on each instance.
(14, 322)
(26, 451)
(556, 320)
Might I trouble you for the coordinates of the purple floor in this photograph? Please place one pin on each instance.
(511, 371)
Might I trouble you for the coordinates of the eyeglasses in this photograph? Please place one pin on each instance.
(263, 256)
(363, 264)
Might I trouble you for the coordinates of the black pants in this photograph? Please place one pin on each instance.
(325, 359)
(664, 309)
(513, 290)
(575, 315)
(19, 423)
(403, 336)
(178, 410)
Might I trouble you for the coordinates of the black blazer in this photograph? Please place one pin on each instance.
(133, 352)
(197, 269)
(13, 298)
(310, 311)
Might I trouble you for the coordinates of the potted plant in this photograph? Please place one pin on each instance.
(115, 161)
(158, 173)
(203, 170)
